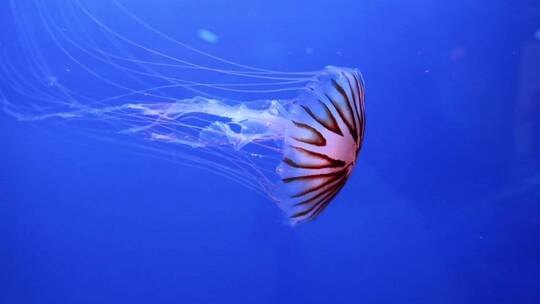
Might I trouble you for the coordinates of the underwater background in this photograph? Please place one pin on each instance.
(443, 206)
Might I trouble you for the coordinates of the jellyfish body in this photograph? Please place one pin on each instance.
(297, 151)
(322, 146)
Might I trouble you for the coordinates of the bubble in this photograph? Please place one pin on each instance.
(208, 36)
(537, 35)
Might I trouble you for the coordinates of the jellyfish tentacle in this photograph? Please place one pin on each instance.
(248, 69)
(161, 54)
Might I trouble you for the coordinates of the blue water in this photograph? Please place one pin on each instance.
(443, 206)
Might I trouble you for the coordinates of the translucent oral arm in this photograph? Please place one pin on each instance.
(196, 122)
(252, 125)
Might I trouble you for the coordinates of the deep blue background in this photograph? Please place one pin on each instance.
(443, 206)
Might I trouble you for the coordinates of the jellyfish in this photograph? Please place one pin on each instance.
(298, 151)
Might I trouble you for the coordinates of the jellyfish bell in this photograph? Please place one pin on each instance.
(298, 151)
(322, 145)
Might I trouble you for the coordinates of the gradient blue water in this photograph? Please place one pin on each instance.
(442, 208)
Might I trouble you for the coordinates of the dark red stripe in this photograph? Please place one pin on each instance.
(345, 96)
(309, 177)
(327, 182)
(342, 115)
(331, 186)
(323, 200)
(316, 139)
(356, 98)
(360, 89)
